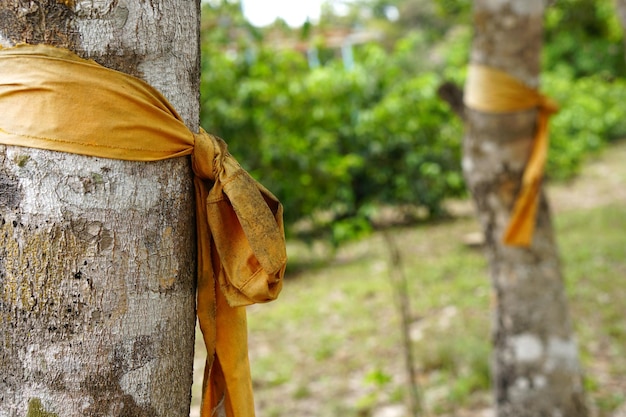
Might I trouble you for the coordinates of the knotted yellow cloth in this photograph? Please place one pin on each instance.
(52, 99)
(494, 91)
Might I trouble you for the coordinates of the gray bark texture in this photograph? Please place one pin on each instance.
(536, 370)
(97, 256)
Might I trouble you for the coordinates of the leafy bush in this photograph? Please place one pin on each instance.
(592, 113)
(411, 143)
(337, 143)
(333, 142)
(583, 38)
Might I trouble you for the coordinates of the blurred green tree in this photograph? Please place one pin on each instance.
(340, 116)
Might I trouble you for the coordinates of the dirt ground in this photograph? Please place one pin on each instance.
(601, 182)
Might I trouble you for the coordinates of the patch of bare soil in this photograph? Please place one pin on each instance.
(601, 182)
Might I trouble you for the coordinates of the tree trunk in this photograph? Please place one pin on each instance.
(97, 256)
(536, 370)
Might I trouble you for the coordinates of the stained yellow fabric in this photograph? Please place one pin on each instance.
(493, 91)
(52, 99)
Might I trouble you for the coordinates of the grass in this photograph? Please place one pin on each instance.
(331, 344)
(595, 268)
(337, 330)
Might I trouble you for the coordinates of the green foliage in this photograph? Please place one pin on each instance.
(591, 114)
(333, 142)
(412, 145)
(584, 37)
(378, 377)
(337, 142)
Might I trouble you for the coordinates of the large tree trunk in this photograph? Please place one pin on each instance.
(536, 369)
(97, 269)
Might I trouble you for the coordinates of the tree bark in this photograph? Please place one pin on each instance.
(536, 371)
(97, 256)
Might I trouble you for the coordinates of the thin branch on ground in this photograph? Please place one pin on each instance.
(401, 294)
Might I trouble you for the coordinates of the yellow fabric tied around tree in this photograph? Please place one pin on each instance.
(52, 99)
(494, 91)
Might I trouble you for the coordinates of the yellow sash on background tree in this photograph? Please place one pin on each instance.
(52, 99)
(494, 91)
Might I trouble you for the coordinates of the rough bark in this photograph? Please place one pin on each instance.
(536, 370)
(97, 270)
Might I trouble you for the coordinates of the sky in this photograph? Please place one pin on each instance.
(295, 13)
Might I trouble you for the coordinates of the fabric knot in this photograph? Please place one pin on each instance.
(204, 156)
(241, 245)
(548, 105)
(494, 91)
(208, 155)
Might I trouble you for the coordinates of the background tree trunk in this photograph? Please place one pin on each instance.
(536, 370)
(97, 269)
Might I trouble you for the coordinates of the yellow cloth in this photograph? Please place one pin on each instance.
(494, 91)
(52, 99)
